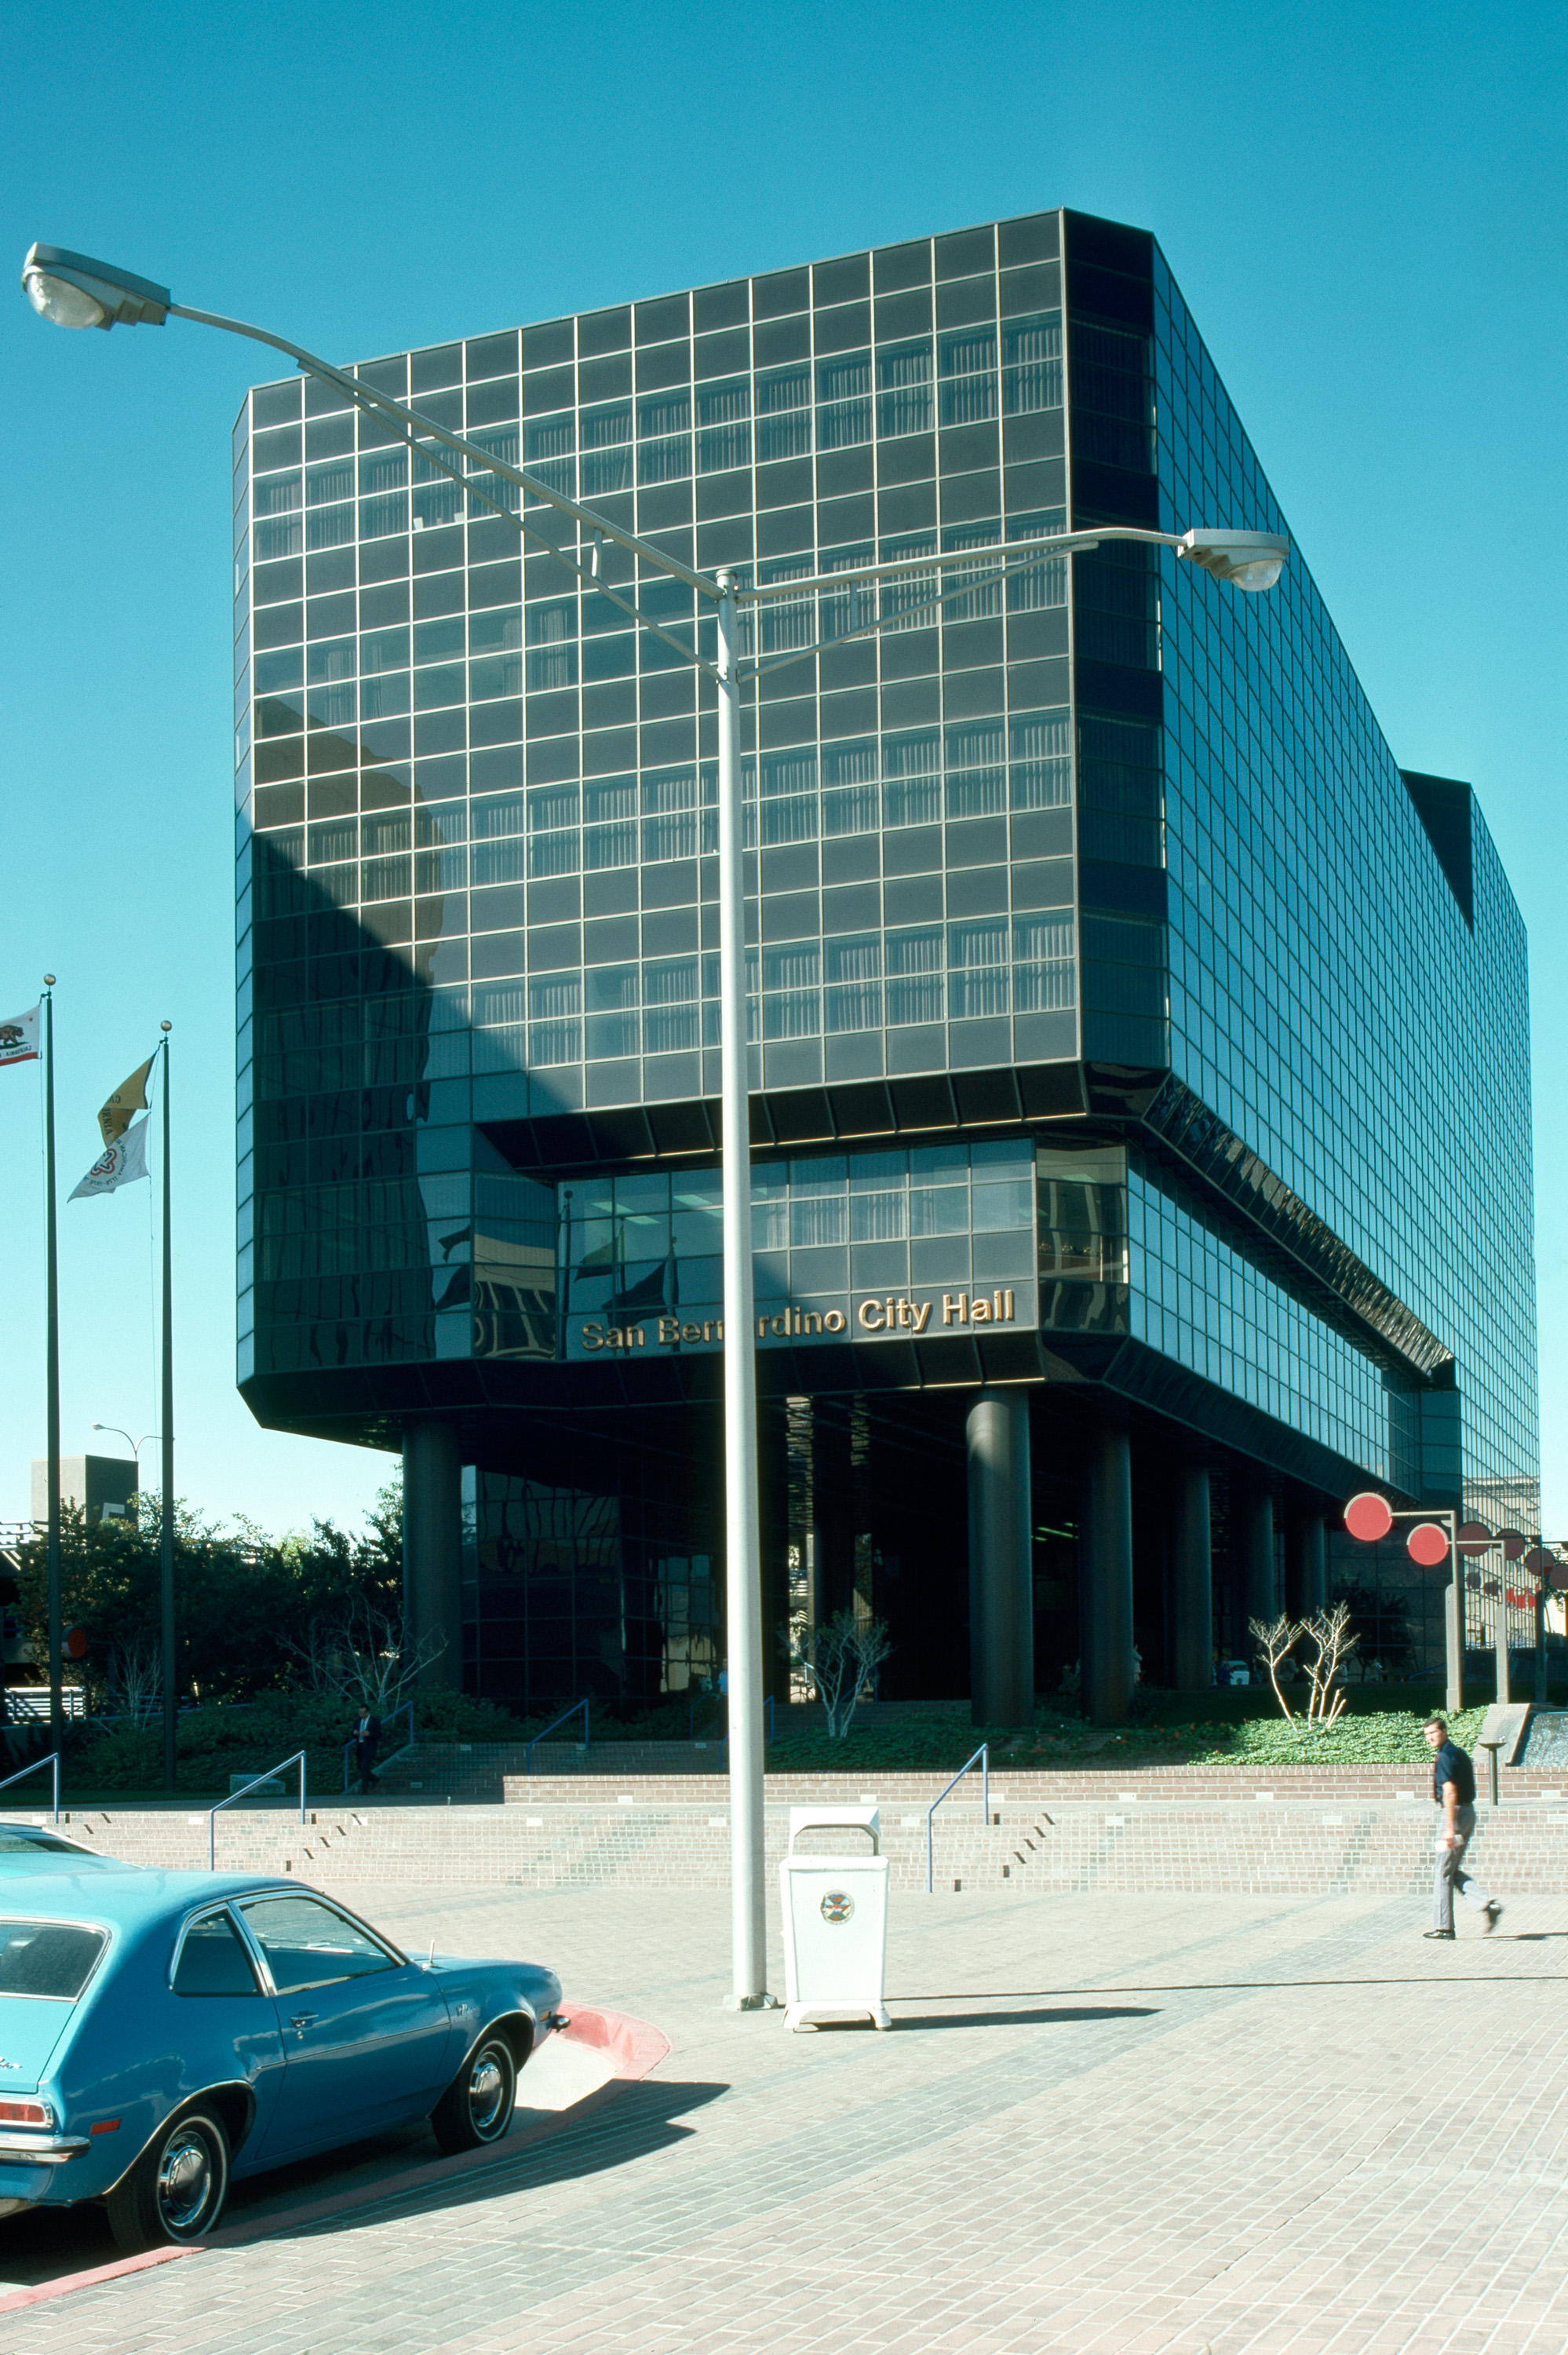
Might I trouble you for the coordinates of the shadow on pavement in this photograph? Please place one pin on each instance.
(1064, 2017)
(638, 2119)
(338, 2189)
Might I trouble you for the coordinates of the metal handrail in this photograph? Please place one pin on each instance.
(297, 1760)
(53, 1760)
(405, 1709)
(981, 1756)
(528, 1752)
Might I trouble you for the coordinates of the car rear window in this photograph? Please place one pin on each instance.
(19, 1836)
(47, 1958)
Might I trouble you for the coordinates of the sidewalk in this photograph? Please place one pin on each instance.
(1102, 2122)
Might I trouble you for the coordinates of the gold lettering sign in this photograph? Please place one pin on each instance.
(883, 1315)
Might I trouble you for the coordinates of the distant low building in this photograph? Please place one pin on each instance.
(103, 1487)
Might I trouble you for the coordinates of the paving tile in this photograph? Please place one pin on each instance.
(1109, 2122)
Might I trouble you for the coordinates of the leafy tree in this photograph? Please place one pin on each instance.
(243, 1600)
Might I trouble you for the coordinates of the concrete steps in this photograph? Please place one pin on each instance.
(590, 1835)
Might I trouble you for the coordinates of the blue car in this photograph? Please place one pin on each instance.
(164, 2033)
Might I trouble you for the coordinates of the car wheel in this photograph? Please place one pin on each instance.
(176, 2190)
(476, 2107)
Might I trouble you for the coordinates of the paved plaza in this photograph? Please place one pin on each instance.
(1102, 2122)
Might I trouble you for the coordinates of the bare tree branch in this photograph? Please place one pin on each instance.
(133, 1683)
(841, 1656)
(359, 1655)
(1275, 1646)
(1332, 1640)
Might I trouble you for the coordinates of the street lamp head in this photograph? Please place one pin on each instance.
(1247, 559)
(71, 290)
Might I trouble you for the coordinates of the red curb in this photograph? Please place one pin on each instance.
(634, 2045)
(86, 2281)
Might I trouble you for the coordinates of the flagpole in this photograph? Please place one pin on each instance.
(52, 1376)
(168, 1420)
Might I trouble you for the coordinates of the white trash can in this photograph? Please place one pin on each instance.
(835, 1923)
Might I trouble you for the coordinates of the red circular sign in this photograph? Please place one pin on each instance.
(1513, 1543)
(1369, 1516)
(1427, 1544)
(1474, 1538)
(76, 1642)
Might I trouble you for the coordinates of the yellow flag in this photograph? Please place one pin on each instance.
(129, 1096)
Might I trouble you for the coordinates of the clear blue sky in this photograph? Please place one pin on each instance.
(1362, 203)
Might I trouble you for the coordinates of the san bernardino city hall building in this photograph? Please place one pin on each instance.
(1131, 1039)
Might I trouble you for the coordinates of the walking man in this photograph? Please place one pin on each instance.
(1454, 1789)
(367, 1740)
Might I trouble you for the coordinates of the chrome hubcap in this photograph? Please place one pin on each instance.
(486, 2091)
(184, 2181)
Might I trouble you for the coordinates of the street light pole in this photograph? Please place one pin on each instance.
(74, 290)
(743, 1552)
(166, 1438)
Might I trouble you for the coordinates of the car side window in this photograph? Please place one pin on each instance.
(306, 1944)
(213, 1960)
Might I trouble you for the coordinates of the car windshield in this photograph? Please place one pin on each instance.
(53, 1959)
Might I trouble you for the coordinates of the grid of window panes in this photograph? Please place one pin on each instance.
(1196, 1298)
(567, 1593)
(497, 781)
(823, 1227)
(1329, 1000)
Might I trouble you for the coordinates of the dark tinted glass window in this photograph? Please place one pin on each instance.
(47, 1958)
(213, 1960)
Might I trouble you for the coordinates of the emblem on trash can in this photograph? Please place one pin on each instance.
(837, 1905)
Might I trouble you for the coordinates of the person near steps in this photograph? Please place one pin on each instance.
(1454, 1789)
(367, 1740)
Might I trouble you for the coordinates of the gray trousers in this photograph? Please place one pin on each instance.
(1450, 1874)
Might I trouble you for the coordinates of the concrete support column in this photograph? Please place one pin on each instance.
(1306, 1566)
(1001, 1577)
(1253, 1538)
(1104, 1580)
(432, 1546)
(1194, 1585)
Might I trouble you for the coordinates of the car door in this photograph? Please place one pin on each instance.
(364, 2033)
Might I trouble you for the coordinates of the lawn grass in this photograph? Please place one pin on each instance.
(1233, 1727)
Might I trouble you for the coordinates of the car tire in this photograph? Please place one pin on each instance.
(176, 2191)
(477, 2107)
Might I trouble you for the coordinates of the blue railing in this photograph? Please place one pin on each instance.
(982, 1758)
(272, 1772)
(554, 1721)
(351, 1745)
(52, 1760)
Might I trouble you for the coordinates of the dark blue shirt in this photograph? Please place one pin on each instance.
(1452, 1765)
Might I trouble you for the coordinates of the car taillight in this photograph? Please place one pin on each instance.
(25, 2114)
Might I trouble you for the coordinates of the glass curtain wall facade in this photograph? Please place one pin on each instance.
(1106, 871)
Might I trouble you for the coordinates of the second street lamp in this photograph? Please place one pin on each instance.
(74, 290)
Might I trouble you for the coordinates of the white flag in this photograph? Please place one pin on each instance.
(120, 1164)
(19, 1038)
